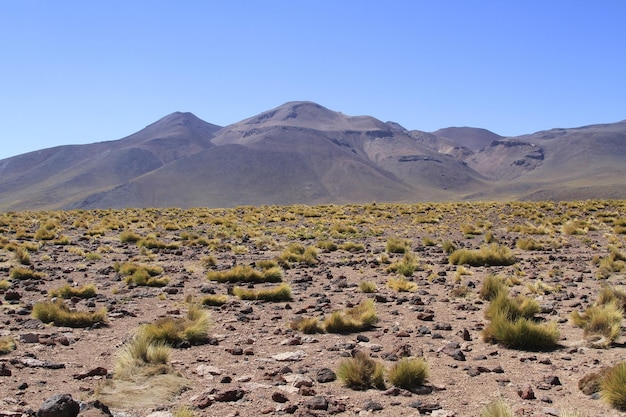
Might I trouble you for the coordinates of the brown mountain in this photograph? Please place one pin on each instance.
(301, 152)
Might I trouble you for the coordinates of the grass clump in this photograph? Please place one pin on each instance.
(522, 333)
(280, 293)
(601, 324)
(357, 318)
(613, 387)
(128, 236)
(307, 325)
(174, 330)
(22, 255)
(352, 247)
(529, 244)
(327, 245)
(489, 255)
(59, 314)
(245, 273)
(367, 287)
(408, 373)
(296, 252)
(512, 324)
(361, 372)
(7, 345)
(67, 291)
(20, 273)
(493, 286)
(214, 300)
(4, 284)
(397, 245)
(401, 284)
(142, 355)
(142, 275)
(406, 266)
(498, 407)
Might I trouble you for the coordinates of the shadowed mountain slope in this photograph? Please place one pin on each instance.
(302, 152)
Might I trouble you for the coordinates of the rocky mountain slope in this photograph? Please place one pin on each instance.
(302, 152)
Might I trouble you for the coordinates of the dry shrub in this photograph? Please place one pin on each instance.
(408, 373)
(361, 372)
(490, 255)
(280, 293)
(67, 291)
(60, 314)
(245, 273)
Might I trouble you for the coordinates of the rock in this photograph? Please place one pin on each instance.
(61, 405)
(306, 391)
(325, 375)
(279, 397)
(98, 409)
(443, 413)
(11, 295)
(425, 408)
(230, 395)
(362, 338)
(317, 403)
(290, 356)
(98, 371)
(552, 380)
(203, 400)
(466, 335)
(425, 316)
(526, 393)
(4, 371)
(29, 338)
(371, 405)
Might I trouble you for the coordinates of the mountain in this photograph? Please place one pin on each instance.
(302, 152)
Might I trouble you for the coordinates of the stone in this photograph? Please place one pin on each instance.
(279, 397)
(325, 375)
(230, 395)
(60, 405)
(98, 371)
(290, 356)
(526, 393)
(371, 405)
(317, 403)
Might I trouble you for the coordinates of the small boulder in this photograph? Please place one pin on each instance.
(61, 405)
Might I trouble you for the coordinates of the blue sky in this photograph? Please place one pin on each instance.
(86, 71)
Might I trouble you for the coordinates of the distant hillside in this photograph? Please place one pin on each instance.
(302, 152)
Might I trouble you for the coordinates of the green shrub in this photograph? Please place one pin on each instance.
(357, 318)
(490, 255)
(245, 273)
(361, 372)
(67, 291)
(408, 373)
(406, 266)
(59, 314)
(280, 293)
(613, 387)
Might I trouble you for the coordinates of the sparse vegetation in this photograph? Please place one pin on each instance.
(7, 345)
(174, 330)
(367, 286)
(491, 255)
(353, 319)
(493, 285)
(307, 325)
(245, 273)
(408, 373)
(67, 291)
(397, 245)
(214, 300)
(497, 407)
(25, 273)
(60, 314)
(601, 324)
(280, 293)
(361, 372)
(401, 284)
(613, 387)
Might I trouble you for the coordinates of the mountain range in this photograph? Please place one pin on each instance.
(304, 153)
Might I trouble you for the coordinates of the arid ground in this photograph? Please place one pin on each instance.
(252, 362)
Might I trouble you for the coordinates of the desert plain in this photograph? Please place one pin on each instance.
(253, 360)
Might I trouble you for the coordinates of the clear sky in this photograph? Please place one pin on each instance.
(86, 71)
